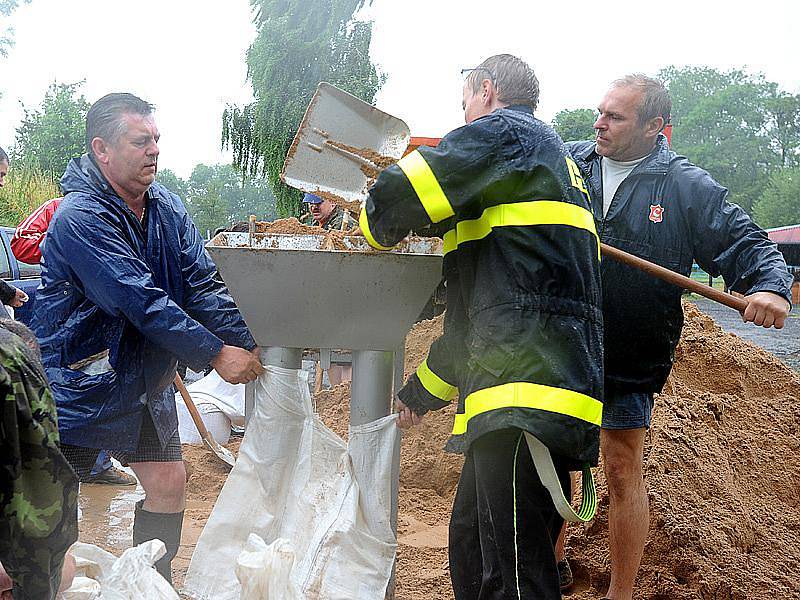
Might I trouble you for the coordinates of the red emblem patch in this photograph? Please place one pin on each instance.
(656, 213)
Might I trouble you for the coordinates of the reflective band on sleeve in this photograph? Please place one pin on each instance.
(435, 385)
(426, 186)
(529, 395)
(543, 462)
(364, 225)
(520, 214)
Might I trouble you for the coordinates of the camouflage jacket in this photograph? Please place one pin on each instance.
(38, 489)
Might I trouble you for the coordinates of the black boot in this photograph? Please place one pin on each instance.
(163, 526)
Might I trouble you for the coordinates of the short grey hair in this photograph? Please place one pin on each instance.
(655, 99)
(514, 79)
(104, 119)
(3, 156)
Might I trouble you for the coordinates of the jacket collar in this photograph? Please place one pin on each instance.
(657, 162)
(83, 175)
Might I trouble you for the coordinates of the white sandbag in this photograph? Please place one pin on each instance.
(295, 479)
(102, 576)
(264, 572)
(217, 423)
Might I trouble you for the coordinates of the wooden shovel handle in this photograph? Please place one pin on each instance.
(198, 420)
(674, 278)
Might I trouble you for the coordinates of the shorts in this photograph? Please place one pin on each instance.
(627, 410)
(149, 450)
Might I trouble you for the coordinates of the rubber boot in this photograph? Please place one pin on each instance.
(163, 526)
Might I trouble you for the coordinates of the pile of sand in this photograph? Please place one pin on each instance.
(722, 464)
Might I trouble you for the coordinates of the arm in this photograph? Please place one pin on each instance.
(205, 297)
(430, 185)
(727, 242)
(430, 387)
(32, 231)
(38, 489)
(111, 275)
(7, 292)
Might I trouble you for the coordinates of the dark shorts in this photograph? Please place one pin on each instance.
(627, 410)
(149, 450)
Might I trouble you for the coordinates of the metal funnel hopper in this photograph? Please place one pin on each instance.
(294, 294)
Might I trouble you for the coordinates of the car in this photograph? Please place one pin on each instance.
(19, 274)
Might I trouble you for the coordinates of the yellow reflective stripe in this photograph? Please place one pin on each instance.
(529, 395)
(426, 186)
(536, 212)
(364, 225)
(435, 385)
(450, 242)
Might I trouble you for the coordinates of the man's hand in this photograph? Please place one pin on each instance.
(237, 365)
(19, 298)
(766, 309)
(405, 416)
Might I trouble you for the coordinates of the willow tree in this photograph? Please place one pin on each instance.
(299, 44)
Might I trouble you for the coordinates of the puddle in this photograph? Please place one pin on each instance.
(105, 515)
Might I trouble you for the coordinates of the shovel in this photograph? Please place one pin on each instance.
(222, 453)
(338, 144)
(674, 278)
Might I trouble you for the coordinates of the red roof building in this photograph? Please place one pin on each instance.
(790, 234)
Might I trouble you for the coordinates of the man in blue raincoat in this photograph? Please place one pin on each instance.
(127, 289)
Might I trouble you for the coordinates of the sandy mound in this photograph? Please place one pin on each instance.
(722, 465)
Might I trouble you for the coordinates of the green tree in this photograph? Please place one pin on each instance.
(216, 196)
(173, 183)
(298, 45)
(736, 125)
(573, 125)
(50, 135)
(779, 203)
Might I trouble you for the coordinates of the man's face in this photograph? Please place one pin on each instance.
(3, 172)
(321, 210)
(619, 134)
(132, 161)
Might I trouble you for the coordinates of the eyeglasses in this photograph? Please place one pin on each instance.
(465, 72)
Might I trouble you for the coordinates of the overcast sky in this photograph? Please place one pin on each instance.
(188, 57)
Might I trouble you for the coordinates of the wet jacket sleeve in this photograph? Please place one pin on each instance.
(7, 292)
(432, 386)
(728, 243)
(38, 489)
(114, 278)
(430, 185)
(205, 297)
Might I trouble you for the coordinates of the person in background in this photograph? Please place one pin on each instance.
(128, 289)
(651, 202)
(38, 489)
(9, 295)
(325, 212)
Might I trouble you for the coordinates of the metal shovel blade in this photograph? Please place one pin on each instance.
(221, 452)
(338, 124)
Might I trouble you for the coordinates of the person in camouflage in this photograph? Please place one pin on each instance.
(38, 489)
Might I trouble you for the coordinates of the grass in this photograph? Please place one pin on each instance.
(25, 189)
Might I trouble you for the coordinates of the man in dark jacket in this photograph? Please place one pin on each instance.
(522, 337)
(655, 204)
(128, 288)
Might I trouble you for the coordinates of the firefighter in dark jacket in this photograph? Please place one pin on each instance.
(522, 343)
(657, 205)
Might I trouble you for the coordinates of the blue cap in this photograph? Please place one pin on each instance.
(312, 199)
